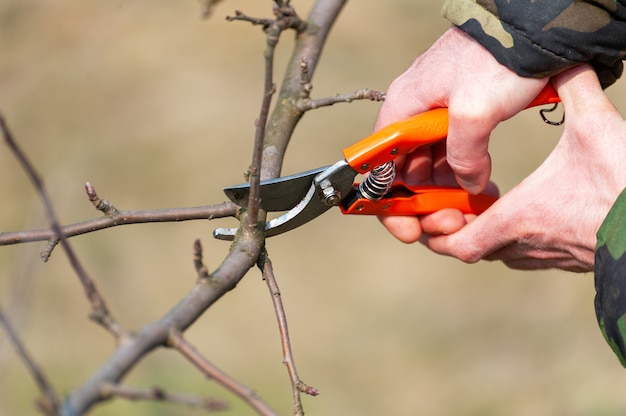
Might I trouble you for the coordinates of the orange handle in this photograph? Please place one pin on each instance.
(421, 200)
(405, 136)
(402, 138)
(547, 95)
(397, 139)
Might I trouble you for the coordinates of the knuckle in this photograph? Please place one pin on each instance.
(461, 164)
(468, 257)
(469, 165)
(466, 251)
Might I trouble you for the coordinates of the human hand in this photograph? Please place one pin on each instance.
(551, 218)
(458, 73)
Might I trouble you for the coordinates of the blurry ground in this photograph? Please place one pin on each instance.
(156, 108)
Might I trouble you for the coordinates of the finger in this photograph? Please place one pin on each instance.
(417, 167)
(427, 165)
(474, 114)
(442, 173)
(446, 221)
(467, 149)
(406, 229)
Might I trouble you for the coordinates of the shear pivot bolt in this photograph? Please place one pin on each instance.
(330, 196)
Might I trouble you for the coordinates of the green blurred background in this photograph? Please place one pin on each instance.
(156, 108)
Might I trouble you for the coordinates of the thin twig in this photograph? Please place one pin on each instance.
(273, 31)
(47, 251)
(297, 385)
(201, 269)
(48, 403)
(99, 310)
(306, 103)
(208, 6)
(245, 18)
(226, 209)
(286, 18)
(101, 205)
(109, 391)
(177, 341)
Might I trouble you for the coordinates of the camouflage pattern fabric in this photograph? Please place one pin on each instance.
(540, 38)
(610, 278)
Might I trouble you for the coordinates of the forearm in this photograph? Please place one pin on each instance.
(542, 38)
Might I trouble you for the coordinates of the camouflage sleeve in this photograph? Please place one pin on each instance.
(610, 278)
(541, 38)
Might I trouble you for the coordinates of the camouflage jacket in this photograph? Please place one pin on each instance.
(610, 272)
(540, 38)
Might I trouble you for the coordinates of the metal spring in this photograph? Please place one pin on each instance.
(379, 181)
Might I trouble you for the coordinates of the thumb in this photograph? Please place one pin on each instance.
(482, 236)
(581, 93)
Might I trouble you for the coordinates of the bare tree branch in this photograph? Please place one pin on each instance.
(177, 341)
(245, 250)
(286, 18)
(306, 104)
(239, 15)
(110, 391)
(297, 385)
(242, 256)
(246, 247)
(272, 33)
(286, 114)
(48, 403)
(226, 209)
(99, 310)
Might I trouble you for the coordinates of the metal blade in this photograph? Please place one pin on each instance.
(280, 194)
(312, 205)
(309, 207)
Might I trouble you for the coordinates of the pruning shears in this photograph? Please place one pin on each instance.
(307, 195)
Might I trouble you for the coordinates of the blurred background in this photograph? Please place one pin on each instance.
(156, 107)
